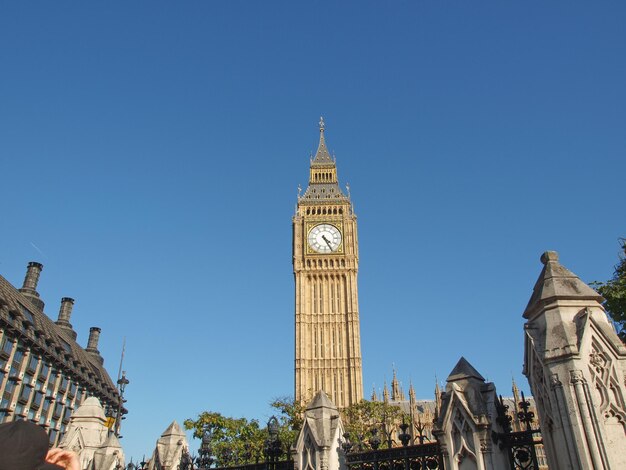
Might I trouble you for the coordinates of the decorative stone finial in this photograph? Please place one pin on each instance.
(549, 256)
(321, 123)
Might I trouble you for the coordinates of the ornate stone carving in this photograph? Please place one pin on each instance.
(485, 445)
(555, 382)
(598, 361)
(576, 376)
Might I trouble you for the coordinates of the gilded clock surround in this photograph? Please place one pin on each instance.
(327, 346)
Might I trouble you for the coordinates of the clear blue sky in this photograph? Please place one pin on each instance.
(151, 152)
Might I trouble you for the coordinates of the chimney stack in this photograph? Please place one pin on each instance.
(94, 336)
(65, 313)
(92, 343)
(29, 288)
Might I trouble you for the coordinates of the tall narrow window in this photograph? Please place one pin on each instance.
(340, 344)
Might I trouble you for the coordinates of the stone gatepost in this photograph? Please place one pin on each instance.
(88, 436)
(318, 444)
(575, 364)
(466, 421)
(169, 449)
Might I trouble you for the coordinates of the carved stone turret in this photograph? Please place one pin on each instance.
(575, 364)
(466, 421)
(88, 436)
(169, 449)
(317, 446)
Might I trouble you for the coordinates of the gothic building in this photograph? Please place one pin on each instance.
(44, 373)
(325, 266)
(422, 414)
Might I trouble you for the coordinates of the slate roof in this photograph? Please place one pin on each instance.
(53, 342)
(322, 157)
(324, 192)
(422, 406)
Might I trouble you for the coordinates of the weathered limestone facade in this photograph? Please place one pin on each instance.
(169, 449)
(318, 444)
(325, 265)
(575, 364)
(88, 435)
(466, 422)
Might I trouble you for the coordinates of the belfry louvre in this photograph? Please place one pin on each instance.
(44, 373)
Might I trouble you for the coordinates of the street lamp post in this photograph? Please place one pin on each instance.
(121, 383)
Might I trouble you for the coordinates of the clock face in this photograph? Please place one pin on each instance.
(324, 238)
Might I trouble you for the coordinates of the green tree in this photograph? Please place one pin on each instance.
(291, 418)
(614, 293)
(236, 441)
(364, 418)
(232, 440)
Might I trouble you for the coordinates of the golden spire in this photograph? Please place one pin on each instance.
(437, 397)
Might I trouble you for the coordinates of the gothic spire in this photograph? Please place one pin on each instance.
(516, 400)
(396, 390)
(374, 396)
(322, 157)
(385, 393)
(515, 391)
(437, 397)
(323, 181)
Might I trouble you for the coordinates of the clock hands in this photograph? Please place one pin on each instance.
(324, 235)
(327, 242)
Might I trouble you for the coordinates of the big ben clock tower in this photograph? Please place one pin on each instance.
(325, 266)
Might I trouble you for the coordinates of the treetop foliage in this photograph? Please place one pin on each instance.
(238, 441)
(360, 419)
(614, 293)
